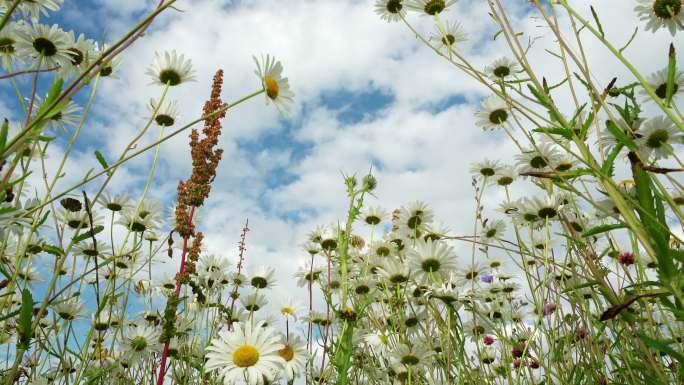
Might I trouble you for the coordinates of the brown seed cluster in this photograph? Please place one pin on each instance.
(205, 160)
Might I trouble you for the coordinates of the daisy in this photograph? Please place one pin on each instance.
(277, 87)
(436, 231)
(50, 44)
(136, 223)
(415, 214)
(253, 301)
(485, 169)
(329, 237)
(171, 69)
(34, 8)
(307, 274)
(69, 310)
(139, 341)
(431, 259)
(212, 271)
(493, 229)
(262, 277)
(502, 68)
(544, 208)
(390, 10)
(295, 355)
(657, 136)
(373, 215)
(379, 249)
(414, 357)
(247, 353)
(82, 51)
(8, 45)
(67, 114)
(658, 82)
(452, 34)
(166, 114)
(494, 113)
(538, 158)
(114, 203)
(290, 307)
(80, 219)
(394, 271)
(661, 13)
(430, 7)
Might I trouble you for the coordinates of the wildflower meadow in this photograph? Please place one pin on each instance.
(347, 192)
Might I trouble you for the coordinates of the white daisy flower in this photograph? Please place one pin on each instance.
(661, 14)
(390, 10)
(414, 215)
(494, 113)
(538, 158)
(453, 34)
(431, 259)
(9, 36)
(170, 68)
(430, 7)
(504, 176)
(253, 301)
(212, 271)
(657, 136)
(394, 271)
(35, 8)
(658, 82)
(139, 341)
(82, 52)
(493, 229)
(70, 309)
(373, 215)
(502, 68)
(167, 113)
(49, 43)
(114, 203)
(261, 277)
(290, 307)
(68, 114)
(295, 355)
(485, 169)
(277, 87)
(414, 357)
(248, 353)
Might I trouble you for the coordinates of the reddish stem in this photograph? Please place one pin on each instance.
(165, 352)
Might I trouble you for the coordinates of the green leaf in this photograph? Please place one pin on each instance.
(564, 132)
(102, 160)
(607, 167)
(662, 346)
(603, 229)
(4, 131)
(24, 327)
(671, 70)
(88, 234)
(54, 250)
(620, 135)
(598, 23)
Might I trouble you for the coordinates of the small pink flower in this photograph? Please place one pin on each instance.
(488, 340)
(626, 258)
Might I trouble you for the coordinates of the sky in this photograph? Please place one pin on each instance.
(368, 94)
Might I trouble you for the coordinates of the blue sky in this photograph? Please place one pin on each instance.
(368, 93)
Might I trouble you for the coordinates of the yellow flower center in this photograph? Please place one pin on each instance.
(287, 310)
(245, 356)
(272, 88)
(287, 353)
